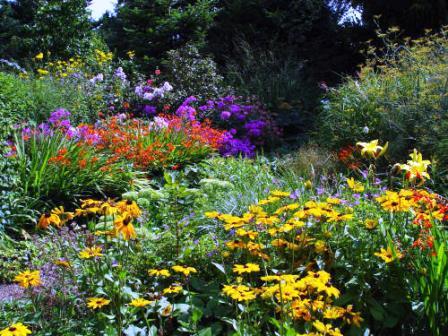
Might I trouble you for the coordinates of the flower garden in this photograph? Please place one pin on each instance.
(128, 211)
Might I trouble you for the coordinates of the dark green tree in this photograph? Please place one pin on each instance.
(30, 26)
(153, 27)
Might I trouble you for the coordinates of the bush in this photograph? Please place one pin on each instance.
(401, 96)
(192, 74)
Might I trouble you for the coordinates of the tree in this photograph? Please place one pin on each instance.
(30, 26)
(412, 16)
(153, 27)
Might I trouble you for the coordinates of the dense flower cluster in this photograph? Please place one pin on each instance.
(247, 123)
(273, 233)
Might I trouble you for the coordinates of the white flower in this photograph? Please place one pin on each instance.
(365, 130)
(167, 87)
(148, 96)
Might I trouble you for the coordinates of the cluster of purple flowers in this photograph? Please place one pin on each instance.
(149, 93)
(247, 123)
(185, 110)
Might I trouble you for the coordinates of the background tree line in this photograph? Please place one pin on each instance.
(278, 50)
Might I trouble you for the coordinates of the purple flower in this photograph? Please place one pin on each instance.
(149, 110)
(234, 147)
(255, 128)
(119, 73)
(97, 78)
(57, 116)
(295, 194)
(225, 115)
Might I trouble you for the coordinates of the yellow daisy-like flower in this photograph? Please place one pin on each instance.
(65, 216)
(130, 207)
(28, 278)
(387, 255)
(239, 292)
(140, 303)
(91, 252)
(173, 289)
(16, 329)
(371, 224)
(39, 56)
(48, 219)
(159, 273)
(248, 268)
(97, 303)
(211, 214)
(326, 329)
(184, 270)
(123, 225)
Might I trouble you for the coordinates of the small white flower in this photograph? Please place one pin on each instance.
(365, 130)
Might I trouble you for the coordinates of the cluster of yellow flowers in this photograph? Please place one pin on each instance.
(269, 232)
(59, 69)
(103, 57)
(122, 212)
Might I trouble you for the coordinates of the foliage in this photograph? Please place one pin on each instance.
(153, 28)
(400, 97)
(192, 74)
(28, 27)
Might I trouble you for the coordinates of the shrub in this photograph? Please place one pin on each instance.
(192, 74)
(401, 96)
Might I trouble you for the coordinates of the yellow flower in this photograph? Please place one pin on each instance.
(91, 252)
(42, 72)
(129, 207)
(131, 54)
(279, 193)
(96, 303)
(16, 329)
(326, 329)
(350, 317)
(387, 255)
(64, 216)
(320, 246)
(308, 184)
(392, 202)
(248, 268)
(62, 263)
(173, 289)
(123, 224)
(372, 149)
(28, 278)
(333, 313)
(159, 273)
(416, 168)
(371, 224)
(239, 292)
(47, 219)
(140, 303)
(211, 214)
(355, 185)
(184, 270)
(39, 56)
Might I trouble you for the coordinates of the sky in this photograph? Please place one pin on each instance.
(99, 7)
